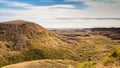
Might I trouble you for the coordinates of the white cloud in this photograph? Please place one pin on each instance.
(107, 1)
(63, 6)
(103, 9)
(16, 4)
(45, 15)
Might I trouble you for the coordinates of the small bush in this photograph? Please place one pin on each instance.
(87, 65)
(3, 61)
(33, 54)
(116, 54)
(108, 60)
(15, 59)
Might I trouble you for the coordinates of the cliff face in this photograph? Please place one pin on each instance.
(20, 33)
(113, 33)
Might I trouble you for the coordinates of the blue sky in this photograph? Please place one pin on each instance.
(77, 4)
(63, 13)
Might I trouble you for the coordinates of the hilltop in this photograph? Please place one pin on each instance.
(23, 41)
(22, 33)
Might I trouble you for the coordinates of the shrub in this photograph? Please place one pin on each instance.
(33, 54)
(116, 54)
(87, 65)
(15, 59)
(108, 60)
(3, 61)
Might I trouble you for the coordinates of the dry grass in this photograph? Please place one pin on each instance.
(25, 41)
(45, 64)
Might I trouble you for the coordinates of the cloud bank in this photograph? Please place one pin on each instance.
(98, 14)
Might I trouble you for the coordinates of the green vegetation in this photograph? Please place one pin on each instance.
(112, 58)
(15, 58)
(108, 60)
(116, 54)
(3, 61)
(88, 64)
(35, 54)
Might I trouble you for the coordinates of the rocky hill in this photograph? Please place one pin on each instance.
(23, 41)
(21, 33)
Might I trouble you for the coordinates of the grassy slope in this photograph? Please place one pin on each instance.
(93, 51)
(93, 46)
(84, 46)
(48, 63)
(27, 41)
(45, 64)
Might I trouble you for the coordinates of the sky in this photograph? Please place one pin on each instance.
(63, 13)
